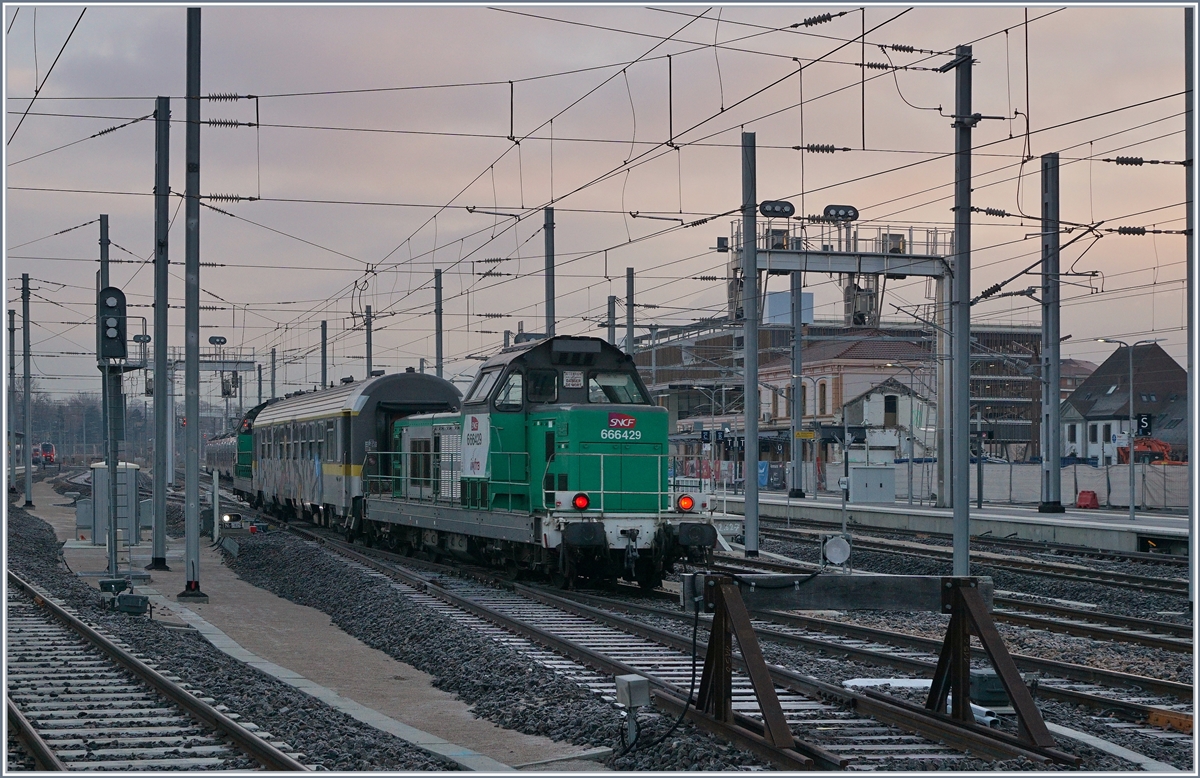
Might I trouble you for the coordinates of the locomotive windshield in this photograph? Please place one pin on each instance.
(618, 388)
(483, 385)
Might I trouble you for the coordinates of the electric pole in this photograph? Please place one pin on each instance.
(629, 311)
(1051, 442)
(437, 321)
(272, 373)
(324, 357)
(961, 322)
(750, 336)
(27, 444)
(191, 315)
(162, 420)
(12, 398)
(612, 319)
(549, 228)
(796, 412)
(367, 322)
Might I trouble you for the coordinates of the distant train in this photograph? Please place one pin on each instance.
(47, 453)
(556, 463)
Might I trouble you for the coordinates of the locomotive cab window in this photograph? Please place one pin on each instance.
(543, 386)
(511, 396)
(482, 386)
(619, 388)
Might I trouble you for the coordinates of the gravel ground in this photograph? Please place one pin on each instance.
(328, 738)
(835, 670)
(503, 685)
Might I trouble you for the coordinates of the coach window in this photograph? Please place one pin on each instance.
(511, 396)
(543, 386)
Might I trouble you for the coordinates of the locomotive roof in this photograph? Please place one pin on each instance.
(550, 351)
(411, 390)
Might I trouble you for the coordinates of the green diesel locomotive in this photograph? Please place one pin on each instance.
(557, 464)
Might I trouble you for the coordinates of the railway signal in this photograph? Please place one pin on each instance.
(111, 319)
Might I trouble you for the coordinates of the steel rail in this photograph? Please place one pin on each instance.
(966, 736)
(44, 757)
(258, 749)
(1070, 670)
(803, 756)
(939, 727)
(1021, 543)
(1003, 562)
(1094, 631)
(1097, 632)
(1111, 619)
(912, 664)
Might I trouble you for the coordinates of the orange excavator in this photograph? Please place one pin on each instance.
(1148, 450)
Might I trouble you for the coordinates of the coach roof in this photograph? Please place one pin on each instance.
(412, 392)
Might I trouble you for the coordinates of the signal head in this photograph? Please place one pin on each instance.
(777, 209)
(841, 213)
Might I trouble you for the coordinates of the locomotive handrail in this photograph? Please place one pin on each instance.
(445, 470)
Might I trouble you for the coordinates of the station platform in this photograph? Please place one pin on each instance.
(1110, 530)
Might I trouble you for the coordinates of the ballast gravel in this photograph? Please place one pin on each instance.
(503, 686)
(328, 739)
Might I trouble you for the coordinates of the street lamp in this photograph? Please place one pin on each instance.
(1132, 502)
(912, 438)
(799, 403)
(712, 445)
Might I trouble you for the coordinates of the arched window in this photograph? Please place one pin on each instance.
(821, 398)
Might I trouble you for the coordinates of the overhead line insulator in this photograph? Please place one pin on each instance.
(1131, 230)
(813, 21)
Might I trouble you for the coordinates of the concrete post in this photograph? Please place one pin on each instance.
(27, 443)
(750, 338)
(191, 315)
(549, 228)
(1051, 427)
(163, 461)
(367, 323)
(629, 339)
(437, 323)
(796, 487)
(961, 380)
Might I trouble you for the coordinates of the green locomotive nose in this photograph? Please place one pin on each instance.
(613, 453)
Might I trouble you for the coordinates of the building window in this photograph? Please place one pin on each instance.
(821, 398)
(1092, 433)
(1071, 433)
(803, 399)
(1107, 433)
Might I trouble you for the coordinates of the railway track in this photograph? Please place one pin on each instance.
(1081, 622)
(1140, 697)
(80, 701)
(1176, 560)
(835, 728)
(1006, 562)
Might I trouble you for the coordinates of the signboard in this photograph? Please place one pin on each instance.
(572, 379)
(705, 436)
(805, 435)
(476, 439)
(1145, 426)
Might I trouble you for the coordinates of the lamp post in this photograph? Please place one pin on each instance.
(912, 438)
(1132, 502)
(712, 437)
(799, 403)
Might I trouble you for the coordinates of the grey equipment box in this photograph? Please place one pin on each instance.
(872, 483)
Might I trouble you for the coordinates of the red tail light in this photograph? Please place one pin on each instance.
(685, 502)
(581, 502)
